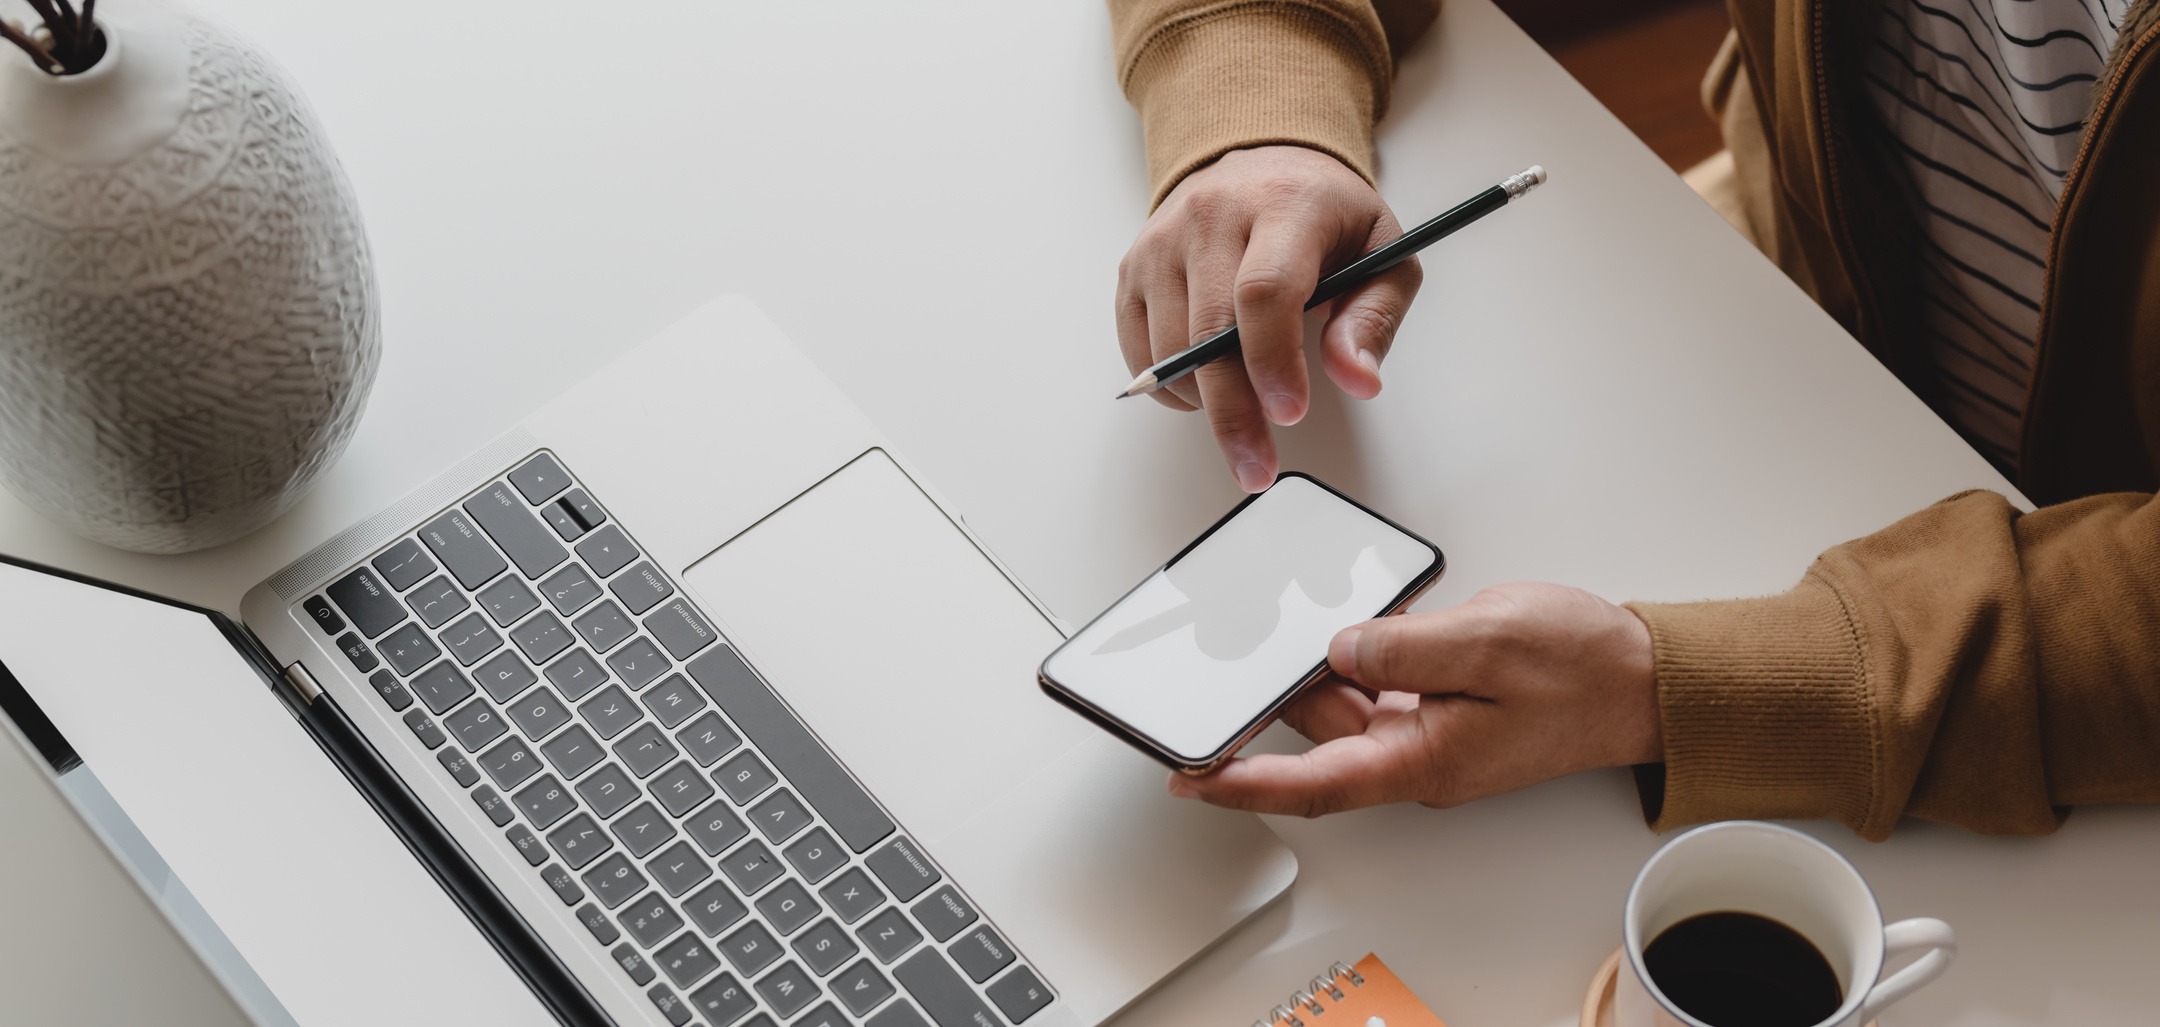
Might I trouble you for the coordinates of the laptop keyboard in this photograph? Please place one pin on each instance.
(703, 838)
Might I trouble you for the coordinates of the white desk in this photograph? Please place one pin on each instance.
(1603, 386)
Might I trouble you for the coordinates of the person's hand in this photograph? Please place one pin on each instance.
(1521, 684)
(1243, 241)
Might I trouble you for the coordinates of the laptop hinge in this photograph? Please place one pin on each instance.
(303, 682)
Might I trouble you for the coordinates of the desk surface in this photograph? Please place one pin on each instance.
(1603, 386)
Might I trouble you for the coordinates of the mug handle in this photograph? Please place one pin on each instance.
(1899, 939)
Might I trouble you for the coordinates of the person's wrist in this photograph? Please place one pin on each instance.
(1637, 682)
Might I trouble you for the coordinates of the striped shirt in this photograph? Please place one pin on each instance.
(1986, 101)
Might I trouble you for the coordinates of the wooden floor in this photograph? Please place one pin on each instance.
(1647, 69)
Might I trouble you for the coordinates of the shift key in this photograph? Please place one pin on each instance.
(531, 546)
(457, 542)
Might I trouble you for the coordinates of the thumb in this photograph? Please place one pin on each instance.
(1347, 773)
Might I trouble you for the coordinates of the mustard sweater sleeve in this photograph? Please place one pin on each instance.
(1211, 76)
(1969, 664)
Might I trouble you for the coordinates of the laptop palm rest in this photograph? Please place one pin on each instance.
(913, 656)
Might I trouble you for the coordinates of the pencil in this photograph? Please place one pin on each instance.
(1401, 248)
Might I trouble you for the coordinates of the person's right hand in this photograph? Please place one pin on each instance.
(1244, 241)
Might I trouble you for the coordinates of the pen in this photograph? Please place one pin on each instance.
(1401, 248)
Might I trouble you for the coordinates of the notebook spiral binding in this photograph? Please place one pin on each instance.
(1327, 986)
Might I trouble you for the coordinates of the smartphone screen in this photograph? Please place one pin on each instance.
(1213, 642)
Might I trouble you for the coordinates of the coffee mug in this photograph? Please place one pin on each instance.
(1750, 867)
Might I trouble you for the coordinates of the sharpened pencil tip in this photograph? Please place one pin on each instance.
(1140, 386)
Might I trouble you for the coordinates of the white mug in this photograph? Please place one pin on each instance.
(1751, 867)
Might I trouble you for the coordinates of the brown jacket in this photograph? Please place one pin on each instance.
(1969, 664)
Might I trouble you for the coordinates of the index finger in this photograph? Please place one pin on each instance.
(1280, 268)
(1347, 773)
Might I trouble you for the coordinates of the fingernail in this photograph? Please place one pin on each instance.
(1342, 655)
(1281, 409)
(1182, 788)
(1369, 362)
(1252, 477)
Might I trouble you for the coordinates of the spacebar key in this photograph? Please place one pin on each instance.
(791, 748)
(946, 997)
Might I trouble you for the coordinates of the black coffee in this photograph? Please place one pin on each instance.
(1743, 970)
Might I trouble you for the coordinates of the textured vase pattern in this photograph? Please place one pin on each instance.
(187, 337)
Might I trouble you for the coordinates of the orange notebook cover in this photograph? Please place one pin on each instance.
(1365, 995)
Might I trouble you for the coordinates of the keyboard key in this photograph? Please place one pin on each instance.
(903, 868)
(781, 817)
(504, 676)
(508, 601)
(816, 776)
(528, 844)
(510, 763)
(584, 509)
(676, 1010)
(722, 1002)
(470, 639)
(604, 627)
(407, 648)
(608, 790)
(827, 1015)
(570, 590)
(319, 611)
(715, 828)
(565, 524)
(393, 693)
(494, 805)
(538, 713)
(425, 729)
(751, 867)
(816, 856)
(944, 913)
(650, 919)
(457, 543)
(607, 551)
(610, 713)
(744, 778)
(750, 949)
(363, 658)
(437, 601)
(475, 724)
(824, 947)
(645, 750)
(564, 886)
(633, 964)
(888, 935)
(679, 869)
(788, 989)
(852, 895)
(643, 829)
(862, 987)
(707, 738)
(545, 801)
(539, 478)
(927, 976)
(533, 548)
(686, 960)
(577, 673)
(788, 907)
(614, 881)
(715, 908)
(580, 841)
(461, 769)
(403, 564)
(899, 1014)
(981, 953)
(638, 663)
(680, 629)
(367, 602)
(674, 701)
(1020, 994)
(642, 587)
(542, 638)
(442, 686)
(680, 788)
(573, 752)
(603, 929)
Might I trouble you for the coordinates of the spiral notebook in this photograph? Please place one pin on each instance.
(1365, 995)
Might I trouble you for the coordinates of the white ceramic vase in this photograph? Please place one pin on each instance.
(188, 320)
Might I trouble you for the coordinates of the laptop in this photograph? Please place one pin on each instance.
(685, 701)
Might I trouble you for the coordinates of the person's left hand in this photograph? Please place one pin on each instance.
(1521, 684)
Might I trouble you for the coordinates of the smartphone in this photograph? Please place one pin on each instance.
(1205, 652)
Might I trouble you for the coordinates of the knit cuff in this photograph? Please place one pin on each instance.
(1253, 75)
(1766, 712)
